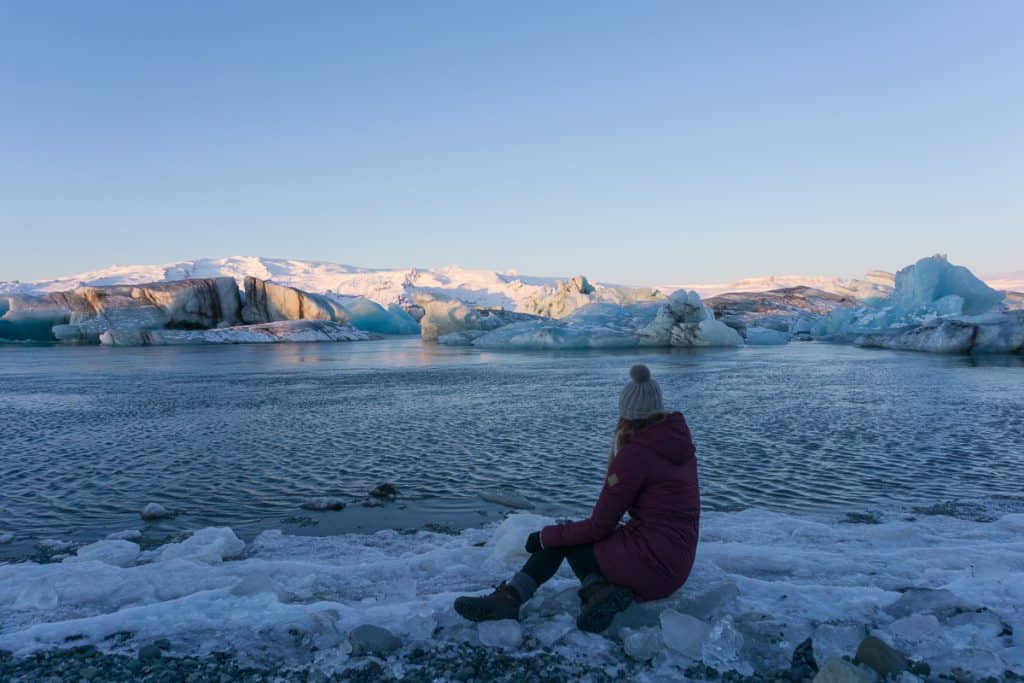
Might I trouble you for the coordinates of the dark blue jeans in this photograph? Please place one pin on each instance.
(543, 564)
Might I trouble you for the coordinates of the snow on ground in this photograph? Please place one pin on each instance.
(942, 589)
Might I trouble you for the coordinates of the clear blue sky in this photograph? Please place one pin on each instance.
(645, 142)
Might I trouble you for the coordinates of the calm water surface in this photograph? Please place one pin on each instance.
(242, 435)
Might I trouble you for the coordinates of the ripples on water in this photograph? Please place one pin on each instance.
(242, 435)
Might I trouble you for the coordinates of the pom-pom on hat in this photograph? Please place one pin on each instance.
(641, 396)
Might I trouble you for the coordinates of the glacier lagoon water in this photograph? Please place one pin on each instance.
(241, 436)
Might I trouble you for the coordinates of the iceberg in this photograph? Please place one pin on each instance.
(680, 321)
(372, 317)
(936, 307)
(196, 311)
(267, 302)
(461, 323)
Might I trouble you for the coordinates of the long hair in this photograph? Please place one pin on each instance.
(626, 429)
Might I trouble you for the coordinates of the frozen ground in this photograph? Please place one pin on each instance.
(943, 590)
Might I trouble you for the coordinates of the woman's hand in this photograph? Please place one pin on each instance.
(533, 543)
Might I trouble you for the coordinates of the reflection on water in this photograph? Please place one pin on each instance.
(242, 435)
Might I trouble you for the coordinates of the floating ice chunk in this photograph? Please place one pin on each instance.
(553, 334)
(443, 317)
(117, 553)
(761, 336)
(506, 633)
(685, 321)
(683, 633)
(722, 648)
(210, 546)
(6, 537)
(936, 307)
(947, 336)
(934, 279)
(126, 535)
(641, 644)
(154, 511)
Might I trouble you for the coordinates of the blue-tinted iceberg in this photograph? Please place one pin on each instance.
(372, 317)
(936, 307)
(201, 310)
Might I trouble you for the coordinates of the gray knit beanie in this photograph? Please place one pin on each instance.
(642, 395)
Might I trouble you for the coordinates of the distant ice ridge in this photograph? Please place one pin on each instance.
(477, 287)
(936, 307)
(680, 321)
(945, 590)
(876, 284)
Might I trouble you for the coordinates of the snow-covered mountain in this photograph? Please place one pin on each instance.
(877, 283)
(479, 287)
(508, 290)
(1007, 282)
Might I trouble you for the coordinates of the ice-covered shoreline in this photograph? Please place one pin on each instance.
(943, 590)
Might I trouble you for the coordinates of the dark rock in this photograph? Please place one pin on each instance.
(149, 653)
(803, 656)
(385, 492)
(163, 644)
(879, 657)
(372, 640)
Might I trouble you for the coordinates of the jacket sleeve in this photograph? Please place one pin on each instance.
(621, 488)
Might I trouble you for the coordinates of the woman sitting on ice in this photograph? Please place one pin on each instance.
(652, 474)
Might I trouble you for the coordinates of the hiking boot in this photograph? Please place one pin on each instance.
(601, 602)
(503, 603)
